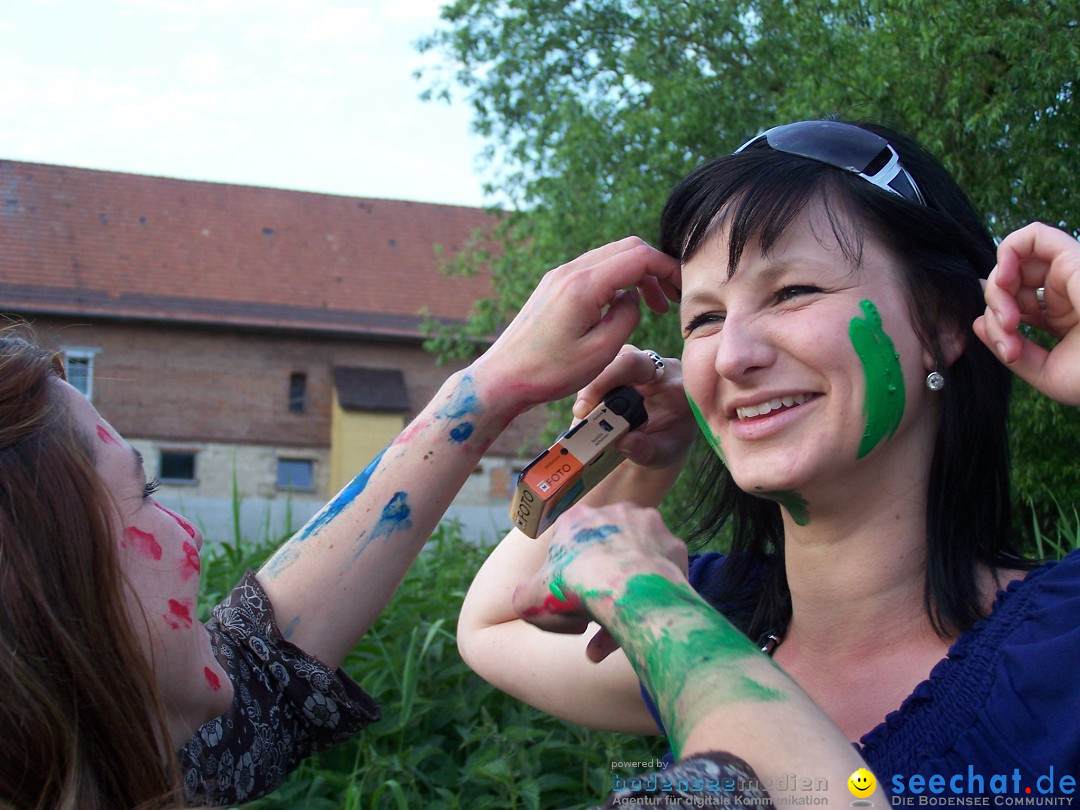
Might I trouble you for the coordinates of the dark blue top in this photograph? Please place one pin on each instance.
(1000, 714)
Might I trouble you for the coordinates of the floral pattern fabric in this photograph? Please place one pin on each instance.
(286, 705)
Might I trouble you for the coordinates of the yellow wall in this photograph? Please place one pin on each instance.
(356, 437)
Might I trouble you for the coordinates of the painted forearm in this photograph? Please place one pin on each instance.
(331, 580)
(690, 658)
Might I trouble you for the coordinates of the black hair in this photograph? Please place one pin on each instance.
(942, 249)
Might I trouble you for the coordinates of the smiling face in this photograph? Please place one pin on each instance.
(801, 364)
(158, 552)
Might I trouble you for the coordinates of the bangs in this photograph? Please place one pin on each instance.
(756, 198)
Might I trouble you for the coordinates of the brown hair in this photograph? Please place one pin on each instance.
(81, 724)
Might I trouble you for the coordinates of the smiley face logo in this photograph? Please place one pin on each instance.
(861, 783)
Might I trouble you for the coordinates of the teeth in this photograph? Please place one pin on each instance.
(772, 405)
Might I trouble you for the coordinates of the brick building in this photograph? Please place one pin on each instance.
(233, 333)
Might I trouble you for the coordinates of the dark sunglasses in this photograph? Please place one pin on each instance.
(844, 146)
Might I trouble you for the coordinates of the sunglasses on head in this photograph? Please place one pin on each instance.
(846, 147)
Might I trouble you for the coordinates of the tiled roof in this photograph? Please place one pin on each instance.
(107, 244)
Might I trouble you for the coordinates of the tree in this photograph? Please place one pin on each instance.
(595, 108)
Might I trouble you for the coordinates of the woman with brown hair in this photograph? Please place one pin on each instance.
(108, 670)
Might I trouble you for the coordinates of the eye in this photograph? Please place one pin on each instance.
(704, 319)
(150, 488)
(795, 291)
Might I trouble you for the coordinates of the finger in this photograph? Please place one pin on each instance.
(538, 602)
(630, 367)
(653, 295)
(600, 646)
(628, 268)
(1035, 241)
(1005, 344)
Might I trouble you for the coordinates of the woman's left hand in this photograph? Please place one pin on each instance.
(592, 553)
(1036, 257)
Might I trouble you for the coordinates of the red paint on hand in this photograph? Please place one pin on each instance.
(105, 436)
(179, 614)
(212, 678)
(551, 605)
(187, 527)
(143, 542)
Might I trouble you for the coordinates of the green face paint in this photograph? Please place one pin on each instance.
(710, 437)
(680, 639)
(884, 402)
(793, 502)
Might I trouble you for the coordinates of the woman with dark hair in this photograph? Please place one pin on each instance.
(831, 277)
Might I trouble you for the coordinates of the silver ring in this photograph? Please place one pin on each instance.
(657, 361)
(1040, 297)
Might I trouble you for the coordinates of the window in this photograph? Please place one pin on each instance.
(295, 473)
(297, 392)
(79, 367)
(177, 467)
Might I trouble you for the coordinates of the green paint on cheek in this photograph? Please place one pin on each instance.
(793, 502)
(710, 437)
(691, 645)
(556, 591)
(884, 403)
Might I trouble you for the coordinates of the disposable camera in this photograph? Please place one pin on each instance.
(578, 460)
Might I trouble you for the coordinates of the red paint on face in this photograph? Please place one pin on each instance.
(551, 605)
(212, 678)
(105, 436)
(179, 614)
(187, 527)
(191, 564)
(143, 542)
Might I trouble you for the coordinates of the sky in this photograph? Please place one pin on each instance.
(313, 95)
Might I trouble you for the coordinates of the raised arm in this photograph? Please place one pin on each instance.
(331, 580)
(536, 667)
(714, 689)
(1036, 282)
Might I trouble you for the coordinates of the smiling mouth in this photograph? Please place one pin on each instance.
(779, 403)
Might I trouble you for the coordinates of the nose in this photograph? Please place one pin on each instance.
(743, 347)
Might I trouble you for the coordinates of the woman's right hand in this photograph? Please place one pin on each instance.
(573, 324)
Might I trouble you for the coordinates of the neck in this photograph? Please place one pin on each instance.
(858, 569)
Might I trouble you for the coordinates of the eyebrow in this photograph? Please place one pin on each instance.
(138, 461)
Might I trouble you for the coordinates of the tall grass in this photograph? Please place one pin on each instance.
(447, 740)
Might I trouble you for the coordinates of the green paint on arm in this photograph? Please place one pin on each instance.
(690, 658)
(556, 591)
(710, 437)
(884, 402)
(793, 502)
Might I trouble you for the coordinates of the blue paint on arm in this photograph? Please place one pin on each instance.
(395, 517)
(461, 432)
(349, 494)
(594, 534)
(290, 628)
(462, 403)
(290, 552)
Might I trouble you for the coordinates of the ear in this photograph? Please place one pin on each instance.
(951, 345)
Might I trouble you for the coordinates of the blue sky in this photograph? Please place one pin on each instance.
(316, 95)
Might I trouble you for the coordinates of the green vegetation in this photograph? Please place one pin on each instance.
(447, 739)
